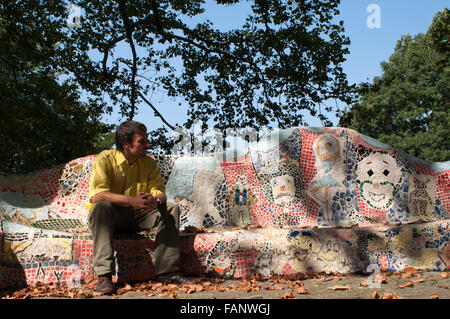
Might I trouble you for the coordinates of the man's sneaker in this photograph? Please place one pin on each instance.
(174, 278)
(105, 285)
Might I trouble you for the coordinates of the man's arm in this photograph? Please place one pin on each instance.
(155, 182)
(141, 202)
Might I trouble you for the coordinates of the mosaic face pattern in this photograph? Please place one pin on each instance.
(283, 189)
(327, 150)
(220, 258)
(290, 188)
(378, 176)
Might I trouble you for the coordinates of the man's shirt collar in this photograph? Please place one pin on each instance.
(120, 158)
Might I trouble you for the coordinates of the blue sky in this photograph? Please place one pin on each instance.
(369, 46)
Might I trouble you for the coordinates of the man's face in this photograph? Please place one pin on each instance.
(138, 148)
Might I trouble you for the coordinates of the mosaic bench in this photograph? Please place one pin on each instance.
(301, 200)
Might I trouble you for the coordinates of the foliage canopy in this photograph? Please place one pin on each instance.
(285, 59)
(408, 106)
(42, 120)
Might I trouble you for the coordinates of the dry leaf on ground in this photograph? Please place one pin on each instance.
(288, 295)
(408, 284)
(387, 295)
(409, 272)
(394, 296)
(418, 280)
(339, 288)
(382, 279)
(278, 287)
(301, 290)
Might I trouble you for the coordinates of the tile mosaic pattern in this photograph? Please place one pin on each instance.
(305, 192)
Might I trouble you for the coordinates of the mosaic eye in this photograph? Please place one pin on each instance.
(386, 172)
(336, 248)
(370, 172)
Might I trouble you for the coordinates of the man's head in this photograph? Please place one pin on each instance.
(132, 139)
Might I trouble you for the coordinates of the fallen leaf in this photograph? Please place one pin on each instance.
(198, 288)
(190, 290)
(301, 290)
(339, 288)
(288, 295)
(375, 294)
(363, 284)
(278, 287)
(408, 284)
(434, 297)
(394, 296)
(382, 279)
(445, 275)
(335, 278)
(387, 295)
(409, 272)
(193, 229)
(96, 293)
(127, 287)
(418, 280)
(243, 284)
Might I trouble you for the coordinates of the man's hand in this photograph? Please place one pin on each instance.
(162, 198)
(146, 202)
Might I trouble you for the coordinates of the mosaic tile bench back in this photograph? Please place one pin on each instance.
(299, 177)
(312, 177)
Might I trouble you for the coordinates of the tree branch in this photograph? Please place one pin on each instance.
(126, 81)
(129, 33)
(156, 111)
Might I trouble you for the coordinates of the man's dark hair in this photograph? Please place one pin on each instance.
(126, 131)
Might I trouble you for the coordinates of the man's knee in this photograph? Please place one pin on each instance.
(102, 206)
(173, 213)
(102, 211)
(173, 209)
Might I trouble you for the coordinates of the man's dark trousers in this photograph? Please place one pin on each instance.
(107, 219)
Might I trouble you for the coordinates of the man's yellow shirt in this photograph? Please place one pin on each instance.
(112, 173)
